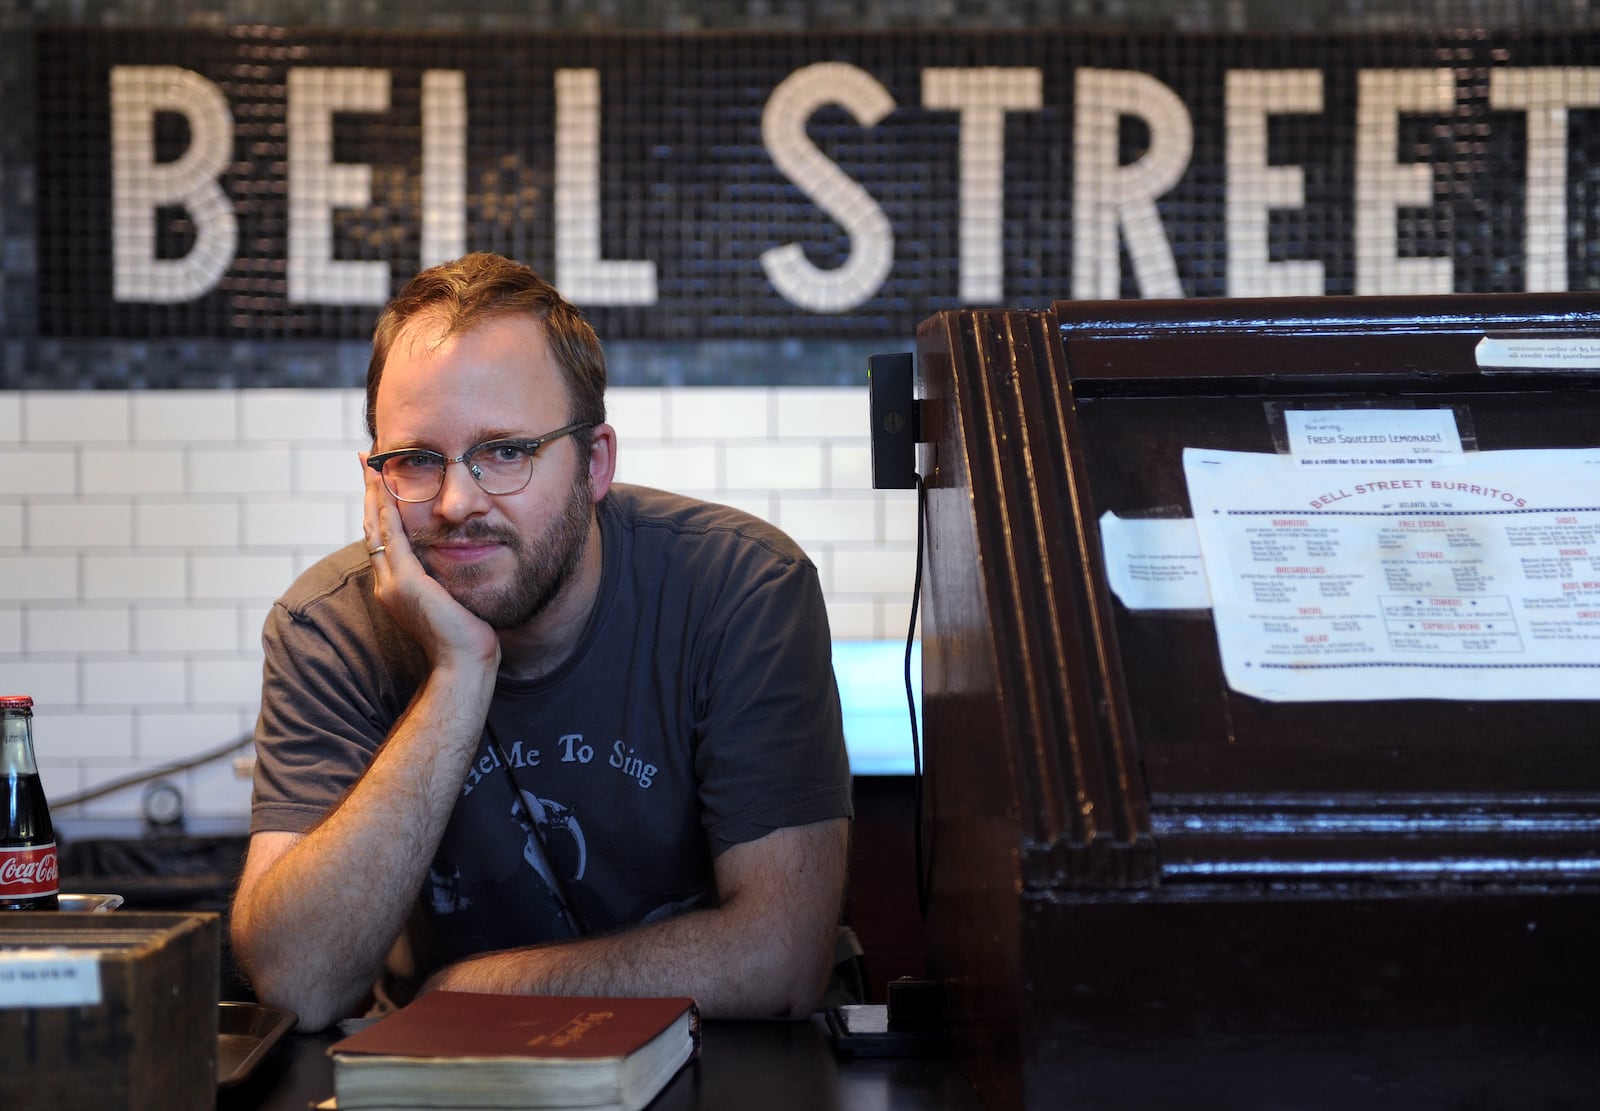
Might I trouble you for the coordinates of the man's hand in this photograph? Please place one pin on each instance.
(448, 633)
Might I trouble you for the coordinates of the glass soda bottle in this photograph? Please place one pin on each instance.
(29, 874)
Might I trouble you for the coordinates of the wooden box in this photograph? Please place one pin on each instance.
(1148, 888)
(108, 1011)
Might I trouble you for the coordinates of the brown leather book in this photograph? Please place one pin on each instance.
(464, 1050)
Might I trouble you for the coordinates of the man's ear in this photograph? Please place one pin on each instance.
(602, 460)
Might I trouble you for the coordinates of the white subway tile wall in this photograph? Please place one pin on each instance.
(10, 631)
(144, 535)
(73, 418)
(10, 417)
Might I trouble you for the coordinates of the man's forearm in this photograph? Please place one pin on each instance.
(312, 928)
(766, 952)
(686, 955)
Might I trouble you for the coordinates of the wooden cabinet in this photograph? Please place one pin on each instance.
(1150, 889)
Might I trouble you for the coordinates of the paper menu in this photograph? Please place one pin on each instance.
(1479, 581)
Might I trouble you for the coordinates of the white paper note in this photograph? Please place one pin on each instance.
(1154, 562)
(1553, 353)
(1404, 438)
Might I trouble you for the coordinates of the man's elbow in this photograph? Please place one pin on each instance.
(796, 987)
(803, 998)
(313, 1009)
(801, 973)
(798, 1007)
(279, 984)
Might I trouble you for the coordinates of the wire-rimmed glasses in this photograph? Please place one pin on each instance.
(499, 467)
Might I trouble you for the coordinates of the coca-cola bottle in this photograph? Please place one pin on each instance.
(29, 875)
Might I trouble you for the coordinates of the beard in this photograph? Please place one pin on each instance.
(543, 564)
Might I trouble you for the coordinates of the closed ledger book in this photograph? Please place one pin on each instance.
(463, 1050)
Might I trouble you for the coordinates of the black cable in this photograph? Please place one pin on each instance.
(911, 704)
(145, 777)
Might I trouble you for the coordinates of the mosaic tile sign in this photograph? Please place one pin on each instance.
(261, 183)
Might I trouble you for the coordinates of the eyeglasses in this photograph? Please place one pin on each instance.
(499, 467)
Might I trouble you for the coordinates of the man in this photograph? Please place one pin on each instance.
(538, 733)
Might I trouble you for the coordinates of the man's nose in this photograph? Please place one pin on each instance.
(460, 496)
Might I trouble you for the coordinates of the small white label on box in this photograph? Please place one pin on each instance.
(49, 978)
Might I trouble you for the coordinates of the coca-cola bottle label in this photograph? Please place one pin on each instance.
(29, 872)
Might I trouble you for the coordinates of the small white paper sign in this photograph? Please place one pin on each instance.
(1539, 354)
(1372, 437)
(49, 978)
(1154, 563)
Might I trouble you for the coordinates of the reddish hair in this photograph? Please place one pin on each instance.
(483, 286)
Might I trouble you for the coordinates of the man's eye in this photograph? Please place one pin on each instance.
(416, 461)
(506, 453)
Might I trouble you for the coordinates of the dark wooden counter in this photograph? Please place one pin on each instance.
(777, 1066)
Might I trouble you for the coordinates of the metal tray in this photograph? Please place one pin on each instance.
(245, 1033)
(92, 904)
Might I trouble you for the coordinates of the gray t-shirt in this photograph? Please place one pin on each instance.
(697, 711)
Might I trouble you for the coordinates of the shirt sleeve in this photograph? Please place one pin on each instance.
(771, 751)
(331, 690)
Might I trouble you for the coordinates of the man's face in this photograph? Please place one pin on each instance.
(506, 557)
